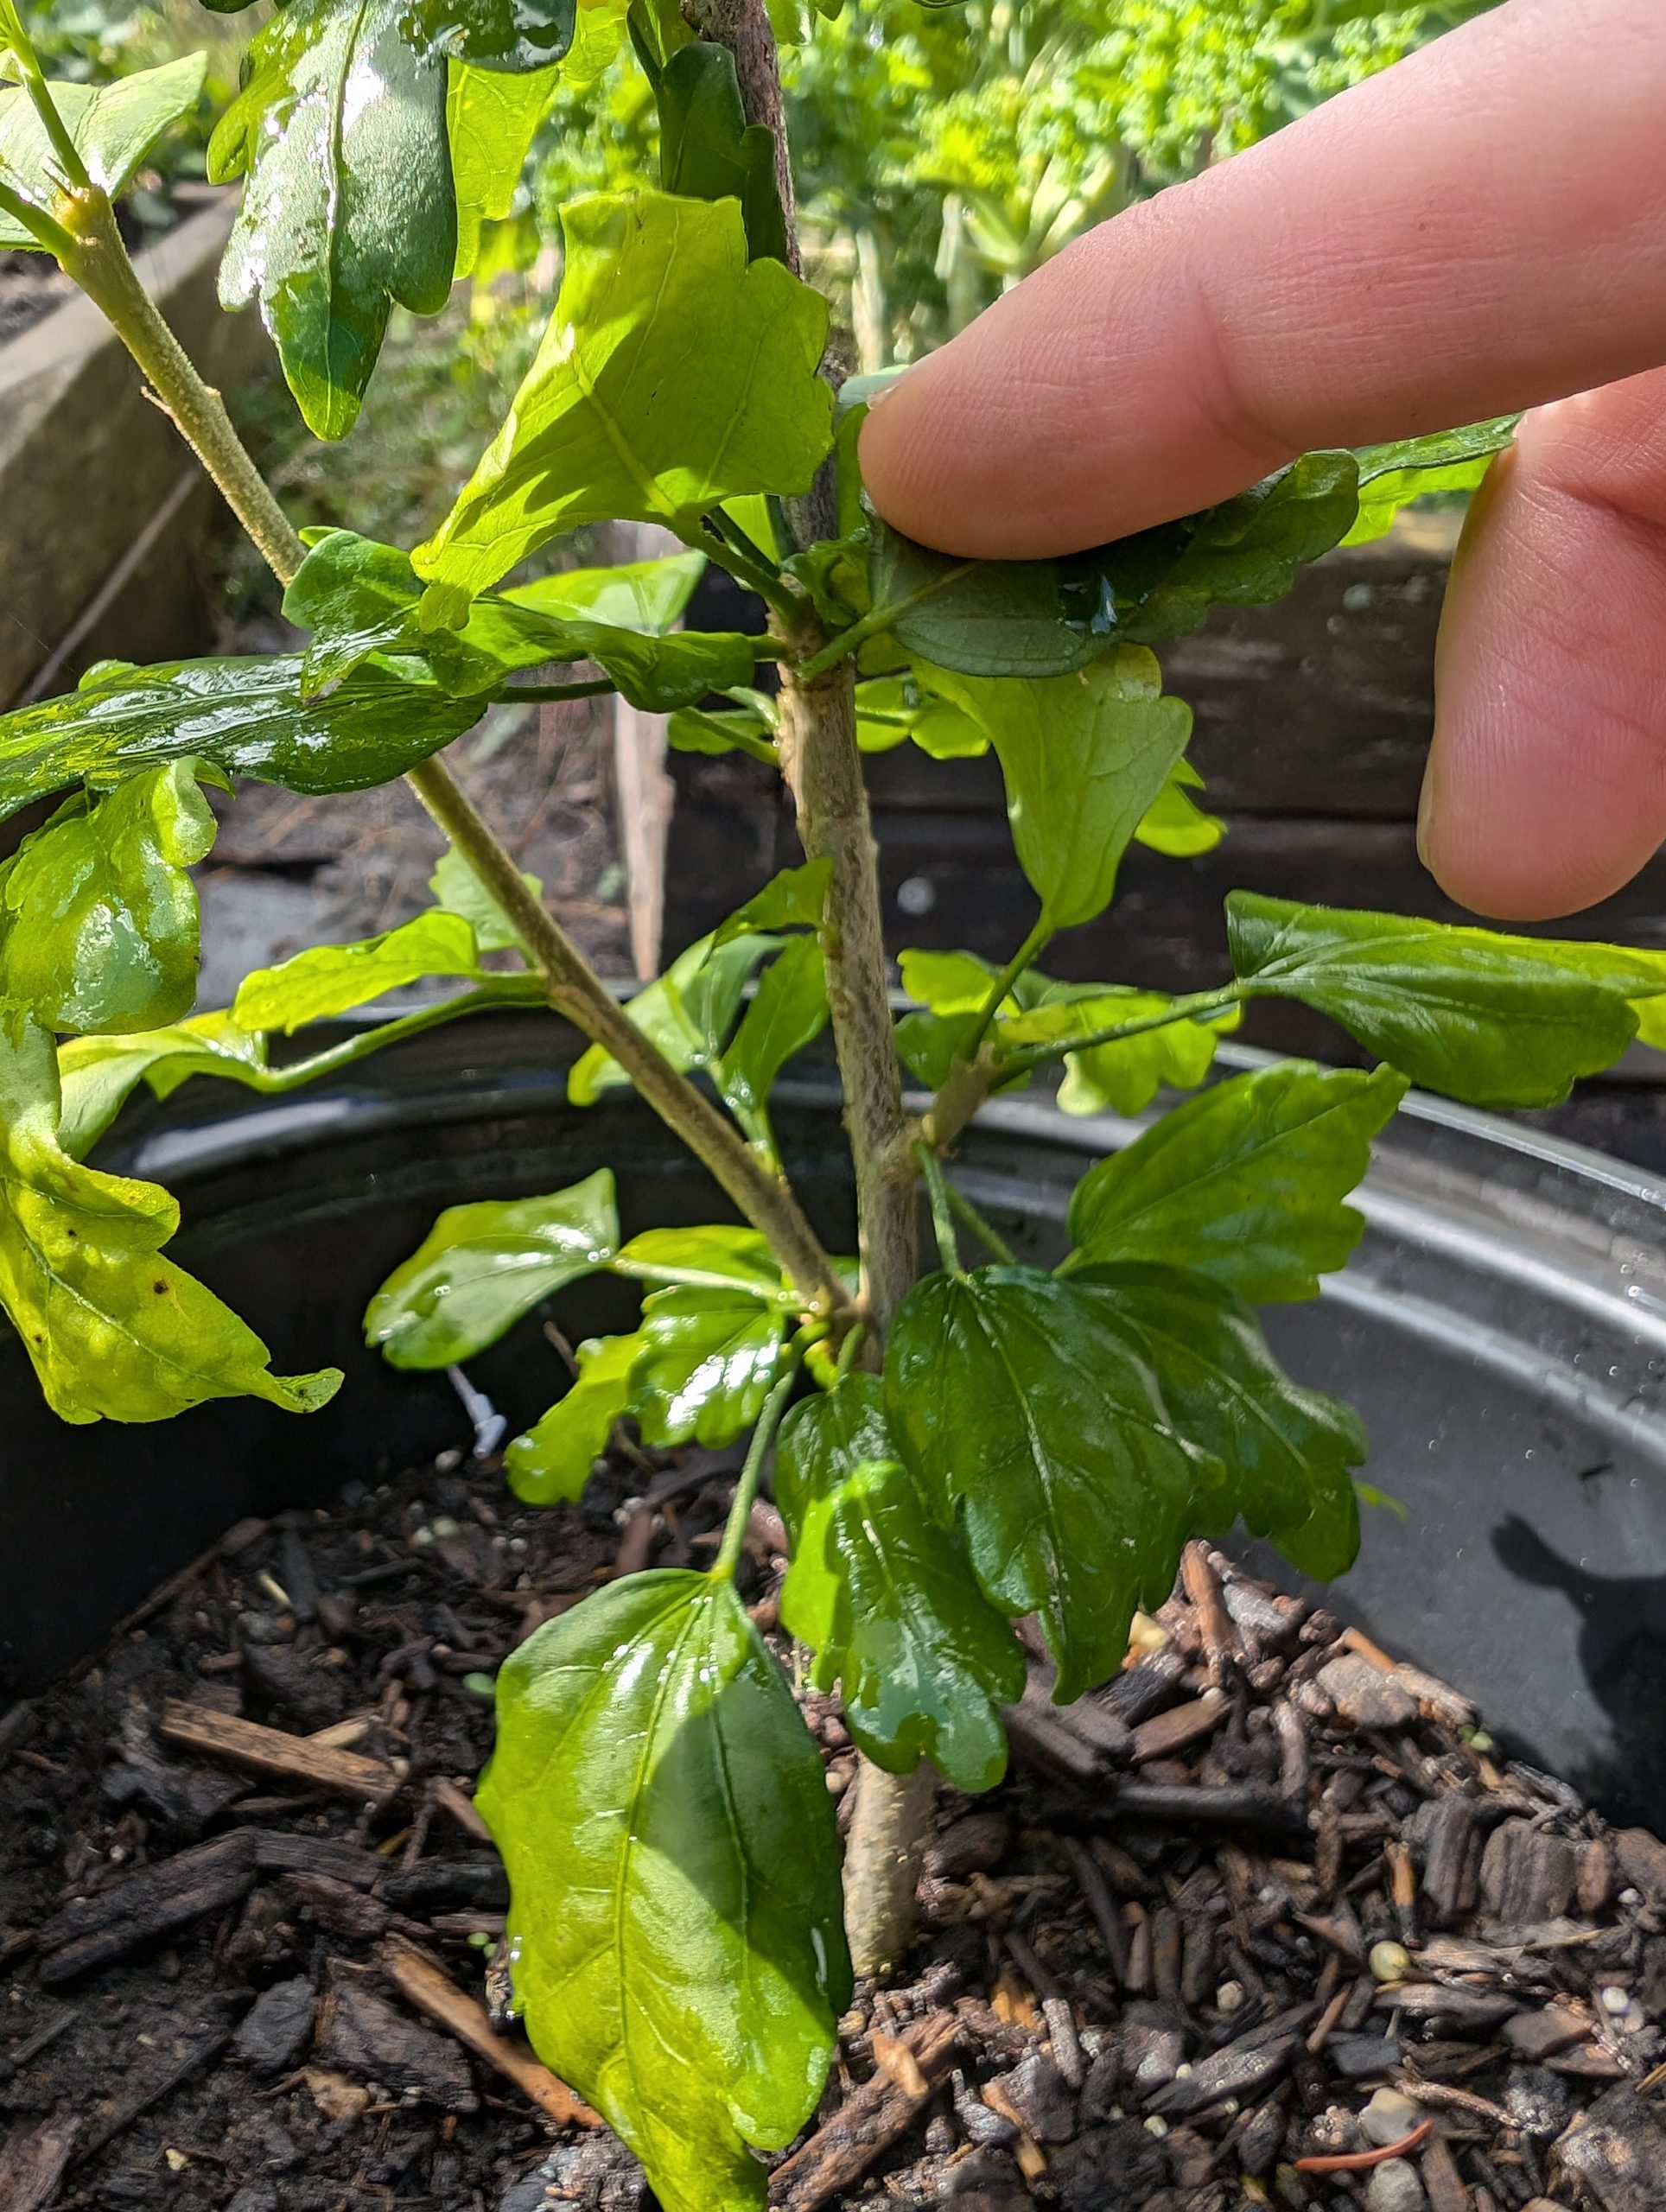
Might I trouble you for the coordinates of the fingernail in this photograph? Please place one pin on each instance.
(1425, 821)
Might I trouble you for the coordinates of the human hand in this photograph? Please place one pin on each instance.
(1481, 228)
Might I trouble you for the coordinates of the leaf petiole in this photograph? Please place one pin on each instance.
(1200, 1006)
(745, 1491)
(873, 622)
(992, 1240)
(546, 694)
(13, 35)
(1026, 957)
(943, 1208)
(746, 568)
(52, 236)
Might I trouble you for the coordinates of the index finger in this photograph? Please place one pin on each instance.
(1479, 229)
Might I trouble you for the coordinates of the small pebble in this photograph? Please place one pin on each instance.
(1229, 1996)
(1388, 2117)
(1613, 1999)
(1390, 1961)
(1394, 2187)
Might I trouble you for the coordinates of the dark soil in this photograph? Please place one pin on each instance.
(1267, 1898)
(31, 285)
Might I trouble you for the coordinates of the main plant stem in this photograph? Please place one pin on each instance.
(822, 767)
(101, 266)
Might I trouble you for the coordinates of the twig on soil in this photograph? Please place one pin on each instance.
(423, 1983)
(839, 2154)
(269, 1751)
(1353, 2162)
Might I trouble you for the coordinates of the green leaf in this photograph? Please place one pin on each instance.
(502, 34)
(115, 1330)
(708, 151)
(1174, 823)
(894, 708)
(980, 618)
(688, 1012)
(1287, 1451)
(716, 1256)
(482, 1265)
(113, 126)
(332, 979)
(1245, 1183)
(97, 1075)
(341, 128)
(359, 598)
(458, 890)
(692, 730)
(99, 919)
(1124, 1077)
(674, 1871)
(1493, 1019)
(795, 897)
(887, 1601)
(706, 1364)
(1027, 1409)
(492, 117)
(1083, 757)
(1391, 476)
(672, 376)
(789, 1010)
(247, 717)
(648, 596)
(552, 1464)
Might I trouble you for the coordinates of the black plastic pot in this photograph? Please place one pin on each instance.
(1502, 1330)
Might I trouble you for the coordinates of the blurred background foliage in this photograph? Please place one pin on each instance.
(943, 153)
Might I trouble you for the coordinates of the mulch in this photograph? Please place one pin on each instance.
(1268, 1921)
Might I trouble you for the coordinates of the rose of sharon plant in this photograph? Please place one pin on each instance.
(959, 1442)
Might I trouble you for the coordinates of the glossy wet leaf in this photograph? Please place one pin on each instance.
(482, 1267)
(1174, 823)
(359, 598)
(99, 918)
(459, 891)
(672, 376)
(887, 1599)
(1083, 756)
(1288, 1452)
(688, 1012)
(1493, 1019)
(708, 151)
(553, 1461)
(1246, 1184)
(714, 1256)
(515, 35)
(708, 1358)
(97, 1075)
(114, 127)
(1391, 476)
(247, 716)
(115, 1331)
(674, 1876)
(331, 979)
(340, 131)
(492, 117)
(1027, 1411)
(789, 1010)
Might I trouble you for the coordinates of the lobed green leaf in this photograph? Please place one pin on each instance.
(113, 127)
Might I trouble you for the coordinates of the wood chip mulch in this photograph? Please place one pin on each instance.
(1268, 1921)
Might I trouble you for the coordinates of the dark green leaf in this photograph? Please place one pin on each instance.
(341, 128)
(99, 922)
(482, 1265)
(1083, 756)
(492, 116)
(672, 376)
(247, 717)
(1391, 476)
(553, 1461)
(359, 598)
(1287, 1450)
(707, 1361)
(115, 1331)
(330, 979)
(982, 618)
(674, 1871)
(708, 151)
(886, 1600)
(1028, 1410)
(114, 127)
(1497, 1021)
(688, 1012)
(1245, 1183)
(514, 35)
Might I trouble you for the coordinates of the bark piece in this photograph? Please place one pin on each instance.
(1617, 2153)
(1641, 1859)
(839, 2154)
(1234, 2072)
(423, 1982)
(1528, 1877)
(1364, 1696)
(33, 2163)
(366, 2037)
(277, 2027)
(1440, 1832)
(1179, 1728)
(269, 1750)
(93, 1931)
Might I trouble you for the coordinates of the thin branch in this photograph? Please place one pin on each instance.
(1025, 958)
(12, 34)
